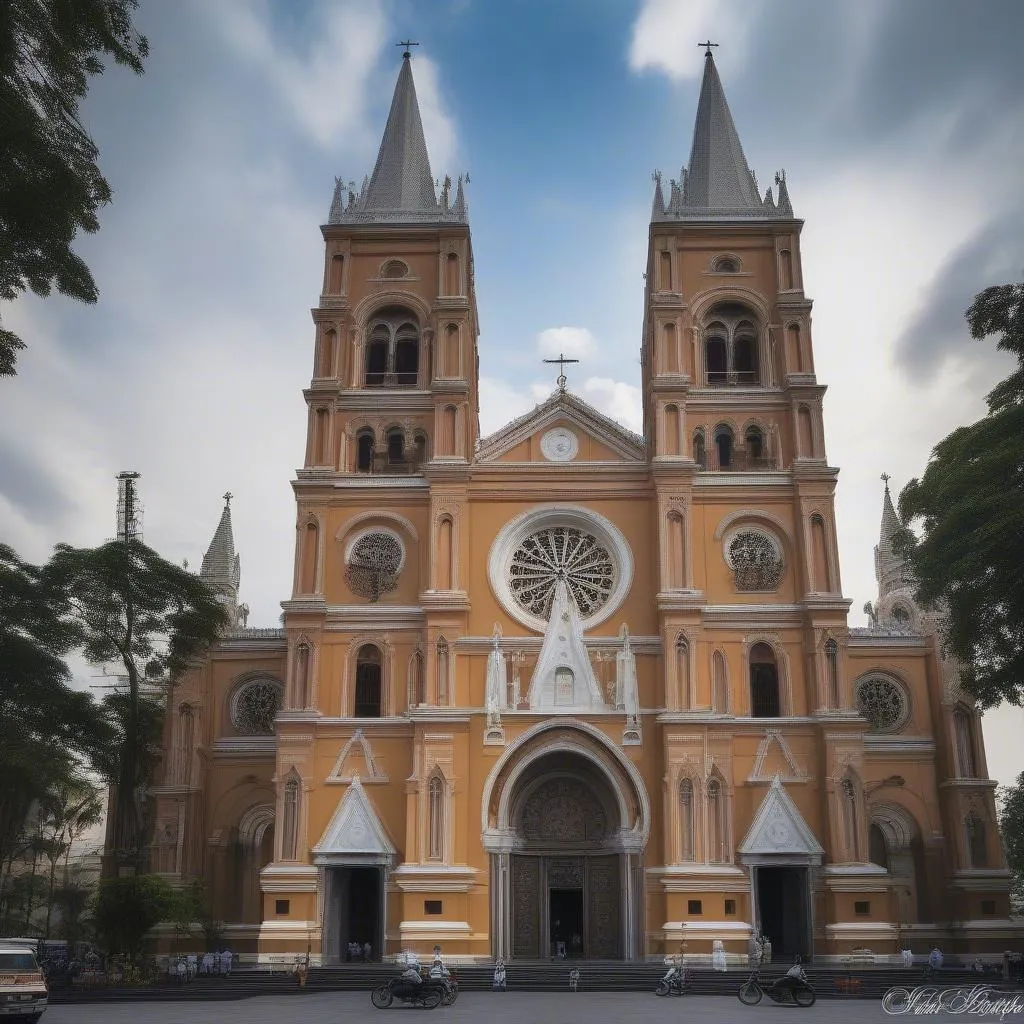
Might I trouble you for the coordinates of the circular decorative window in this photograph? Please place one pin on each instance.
(559, 445)
(561, 552)
(538, 548)
(255, 705)
(883, 702)
(755, 558)
(373, 564)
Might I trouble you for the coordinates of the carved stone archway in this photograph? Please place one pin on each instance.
(565, 822)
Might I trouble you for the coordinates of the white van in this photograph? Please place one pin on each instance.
(23, 994)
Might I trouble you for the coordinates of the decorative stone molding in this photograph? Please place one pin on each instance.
(342, 774)
(775, 737)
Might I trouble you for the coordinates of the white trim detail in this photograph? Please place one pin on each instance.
(355, 834)
(779, 828)
(757, 773)
(375, 772)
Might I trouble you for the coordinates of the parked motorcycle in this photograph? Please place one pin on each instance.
(677, 981)
(427, 994)
(792, 987)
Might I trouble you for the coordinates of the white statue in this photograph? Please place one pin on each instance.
(497, 687)
(628, 694)
(718, 955)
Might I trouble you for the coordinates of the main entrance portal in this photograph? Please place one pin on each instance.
(353, 912)
(783, 909)
(566, 895)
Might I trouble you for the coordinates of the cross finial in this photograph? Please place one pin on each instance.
(562, 361)
(227, 498)
(886, 478)
(406, 43)
(707, 44)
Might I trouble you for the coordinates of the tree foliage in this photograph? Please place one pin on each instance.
(151, 619)
(127, 909)
(47, 729)
(969, 506)
(50, 183)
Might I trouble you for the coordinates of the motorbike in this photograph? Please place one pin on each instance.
(677, 982)
(427, 994)
(792, 987)
(449, 983)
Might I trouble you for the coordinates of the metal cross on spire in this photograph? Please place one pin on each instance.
(886, 478)
(707, 44)
(406, 43)
(227, 498)
(562, 361)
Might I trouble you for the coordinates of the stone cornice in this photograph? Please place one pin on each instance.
(907, 748)
(719, 478)
(484, 644)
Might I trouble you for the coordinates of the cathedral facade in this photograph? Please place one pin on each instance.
(567, 688)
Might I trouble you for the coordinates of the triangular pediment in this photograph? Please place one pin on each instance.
(779, 828)
(356, 761)
(563, 429)
(355, 834)
(775, 758)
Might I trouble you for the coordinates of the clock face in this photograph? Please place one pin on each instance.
(559, 445)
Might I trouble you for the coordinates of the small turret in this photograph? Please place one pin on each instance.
(222, 568)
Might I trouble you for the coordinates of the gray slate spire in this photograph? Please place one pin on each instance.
(401, 188)
(888, 564)
(718, 184)
(222, 568)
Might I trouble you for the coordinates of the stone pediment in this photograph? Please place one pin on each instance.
(779, 828)
(562, 430)
(355, 834)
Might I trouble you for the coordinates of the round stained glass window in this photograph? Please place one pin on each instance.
(883, 702)
(374, 564)
(255, 706)
(561, 552)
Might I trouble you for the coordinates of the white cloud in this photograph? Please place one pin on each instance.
(500, 403)
(325, 81)
(617, 399)
(571, 342)
(666, 33)
(438, 125)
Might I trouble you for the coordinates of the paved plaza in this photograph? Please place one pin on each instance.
(477, 1007)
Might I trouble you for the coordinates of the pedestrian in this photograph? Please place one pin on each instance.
(226, 958)
(366, 951)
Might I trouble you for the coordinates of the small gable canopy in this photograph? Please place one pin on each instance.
(355, 835)
(778, 829)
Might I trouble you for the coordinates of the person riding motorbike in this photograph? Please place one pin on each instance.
(411, 973)
(794, 976)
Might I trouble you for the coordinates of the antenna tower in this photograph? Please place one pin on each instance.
(129, 509)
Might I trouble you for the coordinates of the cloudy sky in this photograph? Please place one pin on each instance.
(900, 126)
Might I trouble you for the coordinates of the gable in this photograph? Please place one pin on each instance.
(774, 758)
(563, 429)
(355, 834)
(779, 828)
(356, 761)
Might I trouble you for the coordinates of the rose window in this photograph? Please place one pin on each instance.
(755, 560)
(883, 702)
(255, 706)
(373, 565)
(561, 552)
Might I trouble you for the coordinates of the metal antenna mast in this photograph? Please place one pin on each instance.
(129, 511)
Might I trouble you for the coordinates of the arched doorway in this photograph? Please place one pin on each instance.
(565, 821)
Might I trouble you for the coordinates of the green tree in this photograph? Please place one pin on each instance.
(127, 909)
(969, 507)
(50, 184)
(152, 619)
(47, 729)
(1011, 826)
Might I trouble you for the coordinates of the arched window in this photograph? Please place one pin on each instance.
(832, 672)
(392, 350)
(451, 273)
(395, 269)
(364, 451)
(302, 675)
(377, 356)
(977, 848)
(849, 812)
(878, 849)
(717, 852)
(900, 616)
(416, 695)
(753, 439)
(686, 819)
(443, 660)
(785, 270)
(435, 795)
(716, 361)
(745, 355)
(337, 273)
(822, 577)
(368, 682)
(719, 683)
(966, 762)
(723, 446)
(396, 447)
(290, 831)
(420, 451)
(805, 432)
(764, 682)
(309, 555)
(700, 455)
(186, 738)
(725, 265)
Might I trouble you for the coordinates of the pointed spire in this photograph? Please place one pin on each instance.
(785, 206)
(888, 564)
(401, 188)
(658, 203)
(221, 569)
(337, 202)
(719, 184)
